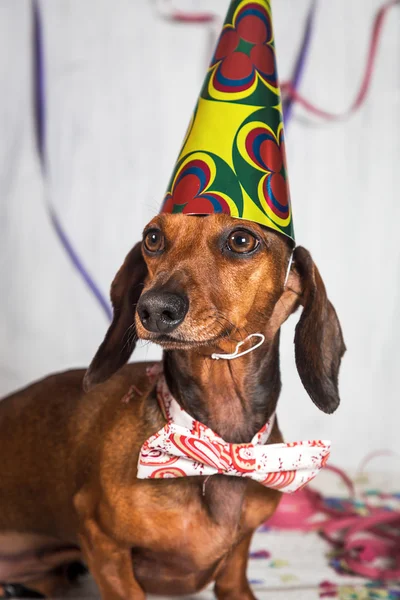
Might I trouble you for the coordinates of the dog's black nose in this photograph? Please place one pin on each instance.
(162, 312)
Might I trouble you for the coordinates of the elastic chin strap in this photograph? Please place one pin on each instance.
(288, 269)
(236, 353)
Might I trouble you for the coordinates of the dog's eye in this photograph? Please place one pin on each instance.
(154, 241)
(242, 242)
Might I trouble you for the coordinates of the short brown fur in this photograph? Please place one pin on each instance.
(68, 469)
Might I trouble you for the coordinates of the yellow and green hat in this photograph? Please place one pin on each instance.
(233, 156)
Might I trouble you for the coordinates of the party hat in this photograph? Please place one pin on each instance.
(233, 156)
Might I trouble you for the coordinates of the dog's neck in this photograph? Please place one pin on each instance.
(235, 397)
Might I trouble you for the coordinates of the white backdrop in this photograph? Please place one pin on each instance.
(121, 88)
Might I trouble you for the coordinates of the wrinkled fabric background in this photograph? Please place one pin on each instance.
(121, 85)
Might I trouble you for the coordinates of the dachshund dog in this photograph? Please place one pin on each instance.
(69, 489)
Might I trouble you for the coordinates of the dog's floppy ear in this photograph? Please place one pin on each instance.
(120, 340)
(318, 340)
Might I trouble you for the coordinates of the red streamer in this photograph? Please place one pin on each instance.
(182, 17)
(362, 534)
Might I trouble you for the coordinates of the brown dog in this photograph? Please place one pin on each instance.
(68, 485)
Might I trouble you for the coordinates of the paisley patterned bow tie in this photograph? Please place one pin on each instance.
(185, 447)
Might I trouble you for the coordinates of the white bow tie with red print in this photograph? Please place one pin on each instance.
(185, 447)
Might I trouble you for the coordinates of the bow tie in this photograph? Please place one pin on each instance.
(185, 447)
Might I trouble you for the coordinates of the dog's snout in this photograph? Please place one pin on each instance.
(162, 312)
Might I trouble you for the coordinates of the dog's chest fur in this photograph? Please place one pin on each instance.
(183, 535)
(180, 534)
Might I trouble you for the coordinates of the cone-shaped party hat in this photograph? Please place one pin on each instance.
(233, 156)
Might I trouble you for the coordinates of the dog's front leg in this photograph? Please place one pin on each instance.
(231, 582)
(110, 565)
(108, 562)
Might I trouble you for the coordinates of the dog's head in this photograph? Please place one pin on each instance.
(204, 284)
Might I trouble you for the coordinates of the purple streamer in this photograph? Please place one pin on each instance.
(38, 79)
(298, 71)
(40, 131)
